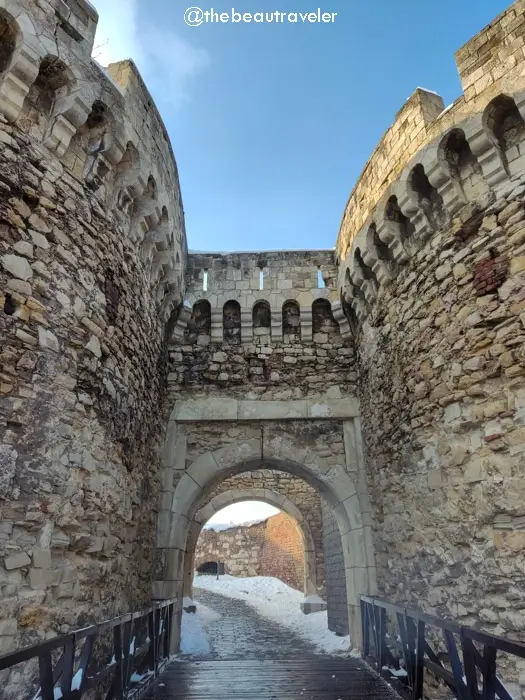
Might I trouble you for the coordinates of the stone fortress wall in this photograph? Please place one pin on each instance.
(273, 547)
(432, 276)
(130, 394)
(261, 327)
(92, 254)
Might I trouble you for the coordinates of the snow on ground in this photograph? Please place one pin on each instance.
(194, 639)
(276, 601)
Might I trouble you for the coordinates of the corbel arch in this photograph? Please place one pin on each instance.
(51, 90)
(19, 59)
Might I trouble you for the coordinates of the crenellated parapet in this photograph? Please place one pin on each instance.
(262, 297)
(435, 161)
(101, 124)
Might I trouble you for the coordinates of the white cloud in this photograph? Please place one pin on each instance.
(243, 512)
(166, 61)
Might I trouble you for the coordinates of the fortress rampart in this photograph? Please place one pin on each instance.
(377, 392)
(431, 257)
(433, 160)
(92, 257)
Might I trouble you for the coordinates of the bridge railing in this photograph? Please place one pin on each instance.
(403, 644)
(117, 659)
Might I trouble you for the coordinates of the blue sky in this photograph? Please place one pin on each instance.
(272, 123)
(242, 512)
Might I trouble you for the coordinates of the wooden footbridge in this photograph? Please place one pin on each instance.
(128, 658)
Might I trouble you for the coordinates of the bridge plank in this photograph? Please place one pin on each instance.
(287, 679)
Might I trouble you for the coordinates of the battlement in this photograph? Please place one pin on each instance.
(101, 125)
(237, 296)
(77, 19)
(433, 162)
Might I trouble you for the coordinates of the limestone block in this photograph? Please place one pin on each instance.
(178, 532)
(47, 339)
(271, 410)
(185, 496)
(41, 558)
(8, 627)
(309, 607)
(203, 469)
(333, 408)
(205, 409)
(17, 266)
(238, 452)
(354, 549)
(17, 561)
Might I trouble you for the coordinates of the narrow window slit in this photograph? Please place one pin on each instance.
(205, 281)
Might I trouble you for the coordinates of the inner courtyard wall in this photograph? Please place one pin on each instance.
(273, 547)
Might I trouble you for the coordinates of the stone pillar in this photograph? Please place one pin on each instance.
(306, 324)
(277, 325)
(246, 326)
(216, 326)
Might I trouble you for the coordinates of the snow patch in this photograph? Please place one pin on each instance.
(276, 601)
(194, 639)
(313, 599)
(221, 527)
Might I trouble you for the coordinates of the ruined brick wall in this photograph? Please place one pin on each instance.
(84, 304)
(282, 552)
(337, 610)
(271, 548)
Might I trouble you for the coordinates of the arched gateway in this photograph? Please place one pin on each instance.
(272, 498)
(295, 444)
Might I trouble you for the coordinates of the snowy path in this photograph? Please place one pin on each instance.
(237, 631)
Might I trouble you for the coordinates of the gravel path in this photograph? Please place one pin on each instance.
(241, 633)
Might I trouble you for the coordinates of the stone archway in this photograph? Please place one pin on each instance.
(272, 498)
(281, 453)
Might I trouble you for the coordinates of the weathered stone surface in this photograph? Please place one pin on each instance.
(17, 561)
(17, 266)
(83, 326)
